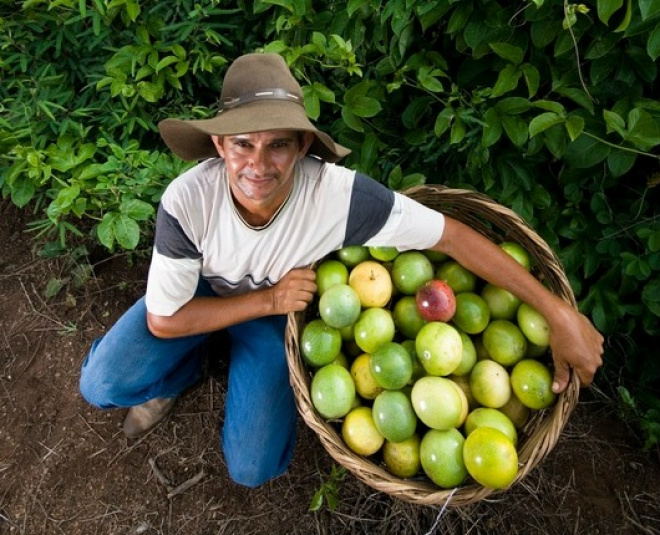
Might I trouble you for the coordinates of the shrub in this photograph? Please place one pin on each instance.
(548, 106)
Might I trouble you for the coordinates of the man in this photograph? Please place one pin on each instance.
(234, 237)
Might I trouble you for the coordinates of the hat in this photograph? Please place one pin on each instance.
(259, 94)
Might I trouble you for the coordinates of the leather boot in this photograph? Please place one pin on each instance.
(144, 417)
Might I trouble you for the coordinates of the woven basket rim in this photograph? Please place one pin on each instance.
(539, 435)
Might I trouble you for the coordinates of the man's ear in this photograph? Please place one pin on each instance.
(306, 141)
(217, 141)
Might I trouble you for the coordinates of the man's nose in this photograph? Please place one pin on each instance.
(259, 160)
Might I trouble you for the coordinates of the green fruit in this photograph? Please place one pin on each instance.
(332, 391)
(340, 306)
(319, 343)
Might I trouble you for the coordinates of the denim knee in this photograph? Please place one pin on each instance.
(259, 471)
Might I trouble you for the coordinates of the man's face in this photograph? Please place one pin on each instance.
(260, 166)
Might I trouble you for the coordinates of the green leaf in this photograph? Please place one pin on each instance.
(615, 123)
(507, 80)
(458, 131)
(443, 121)
(369, 151)
(643, 129)
(653, 44)
(105, 231)
(364, 106)
(543, 122)
(53, 287)
(550, 105)
(586, 152)
(395, 178)
(136, 209)
(317, 500)
(579, 96)
(606, 8)
(574, 126)
(355, 5)
(127, 232)
(555, 140)
(513, 105)
(649, 8)
(492, 129)
(312, 102)
(620, 162)
(532, 78)
(459, 17)
(626, 19)
(165, 62)
(22, 192)
(351, 120)
(516, 129)
(511, 53)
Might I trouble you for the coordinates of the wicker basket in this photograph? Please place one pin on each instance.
(539, 435)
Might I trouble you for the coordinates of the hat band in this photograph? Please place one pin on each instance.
(265, 94)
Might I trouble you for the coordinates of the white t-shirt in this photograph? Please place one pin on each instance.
(199, 231)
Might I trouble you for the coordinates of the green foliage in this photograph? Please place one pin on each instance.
(550, 107)
(328, 492)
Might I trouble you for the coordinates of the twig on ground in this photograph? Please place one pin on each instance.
(187, 484)
(171, 489)
(159, 474)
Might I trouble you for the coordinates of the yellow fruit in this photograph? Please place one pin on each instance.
(487, 417)
(365, 383)
(437, 402)
(490, 458)
(372, 282)
(516, 411)
(359, 432)
(490, 384)
(402, 458)
(463, 382)
(439, 348)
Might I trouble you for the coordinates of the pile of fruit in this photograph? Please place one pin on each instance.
(423, 367)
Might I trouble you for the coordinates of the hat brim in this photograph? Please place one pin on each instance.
(190, 139)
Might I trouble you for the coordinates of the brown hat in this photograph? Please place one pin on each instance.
(259, 94)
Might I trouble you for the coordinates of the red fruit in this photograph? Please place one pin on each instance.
(435, 301)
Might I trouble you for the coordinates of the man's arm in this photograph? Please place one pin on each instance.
(207, 314)
(573, 339)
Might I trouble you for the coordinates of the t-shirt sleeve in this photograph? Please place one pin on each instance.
(410, 225)
(175, 266)
(370, 206)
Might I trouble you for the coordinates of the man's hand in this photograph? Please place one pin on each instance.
(294, 291)
(576, 344)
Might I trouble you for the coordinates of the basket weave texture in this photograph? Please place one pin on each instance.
(541, 432)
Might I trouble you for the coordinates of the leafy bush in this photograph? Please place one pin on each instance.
(548, 106)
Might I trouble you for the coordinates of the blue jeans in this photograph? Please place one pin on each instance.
(129, 366)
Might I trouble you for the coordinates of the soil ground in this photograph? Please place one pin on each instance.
(65, 467)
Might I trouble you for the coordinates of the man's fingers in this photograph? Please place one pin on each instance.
(562, 374)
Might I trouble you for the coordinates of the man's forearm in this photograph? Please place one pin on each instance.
(207, 314)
